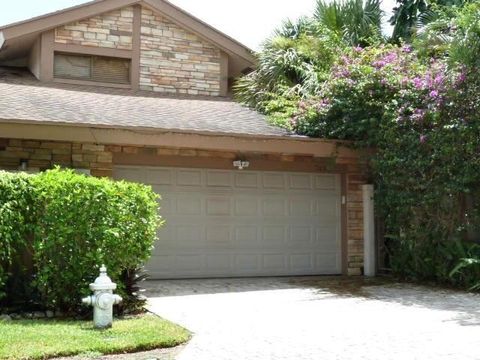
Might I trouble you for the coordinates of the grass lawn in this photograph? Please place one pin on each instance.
(43, 339)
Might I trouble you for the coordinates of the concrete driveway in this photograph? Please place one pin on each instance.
(319, 318)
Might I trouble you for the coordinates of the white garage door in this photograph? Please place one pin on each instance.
(222, 223)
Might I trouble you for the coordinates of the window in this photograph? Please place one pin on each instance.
(92, 68)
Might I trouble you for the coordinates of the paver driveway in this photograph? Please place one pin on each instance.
(319, 318)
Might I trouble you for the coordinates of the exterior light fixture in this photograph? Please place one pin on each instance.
(241, 164)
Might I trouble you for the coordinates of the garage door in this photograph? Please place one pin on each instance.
(222, 223)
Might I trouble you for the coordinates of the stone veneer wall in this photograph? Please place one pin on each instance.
(355, 223)
(45, 154)
(99, 159)
(110, 30)
(175, 61)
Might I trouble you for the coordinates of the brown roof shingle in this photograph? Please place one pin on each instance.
(23, 98)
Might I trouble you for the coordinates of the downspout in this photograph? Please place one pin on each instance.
(369, 231)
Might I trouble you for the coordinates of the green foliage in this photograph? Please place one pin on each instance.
(406, 18)
(297, 60)
(84, 222)
(464, 46)
(418, 107)
(133, 301)
(46, 339)
(419, 110)
(412, 16)
(16, 212)
(357, 22)
(352, 102)
(76, 223)
(444, 262)
(468, 269)
(291, 66)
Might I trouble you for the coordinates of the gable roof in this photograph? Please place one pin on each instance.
(23, 33)
(26, 100)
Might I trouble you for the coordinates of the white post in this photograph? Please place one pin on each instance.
(369, 254)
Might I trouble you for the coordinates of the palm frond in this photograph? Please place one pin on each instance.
(293, 29)
(355, 20)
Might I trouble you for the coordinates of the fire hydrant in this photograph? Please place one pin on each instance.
(102, 300)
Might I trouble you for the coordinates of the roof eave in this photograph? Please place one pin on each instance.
(55, 131)
(52, 20)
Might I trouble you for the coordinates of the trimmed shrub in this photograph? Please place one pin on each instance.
(84, 222)
(16, 200)
(72, 224)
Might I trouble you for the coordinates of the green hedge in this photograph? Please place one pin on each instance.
(16, 201)
(73, 223)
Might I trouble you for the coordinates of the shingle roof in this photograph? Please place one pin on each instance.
(23, 98)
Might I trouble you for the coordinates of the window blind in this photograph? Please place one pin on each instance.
(92, 68)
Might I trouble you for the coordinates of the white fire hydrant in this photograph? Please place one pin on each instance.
(102, 300)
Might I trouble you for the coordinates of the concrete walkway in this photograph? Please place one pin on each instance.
(319, 318)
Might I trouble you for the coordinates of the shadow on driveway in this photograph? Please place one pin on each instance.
(466, 306)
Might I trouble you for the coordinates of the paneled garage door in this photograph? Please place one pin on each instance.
(222, 223)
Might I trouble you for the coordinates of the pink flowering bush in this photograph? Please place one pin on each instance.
(418, 107)
(361, 93)
(427, 170)
(422, 117)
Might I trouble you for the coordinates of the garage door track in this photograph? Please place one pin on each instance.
(319, 318)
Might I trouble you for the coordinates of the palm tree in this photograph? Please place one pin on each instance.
(407, 18)
(294, 29)
(297, 59)
(358, 22)
(292, 65)
(410, 16)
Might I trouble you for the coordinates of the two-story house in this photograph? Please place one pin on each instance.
(139, 90)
